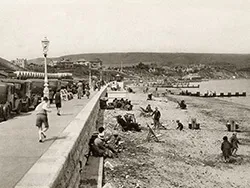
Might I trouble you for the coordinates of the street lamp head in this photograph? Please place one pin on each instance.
(45, 45)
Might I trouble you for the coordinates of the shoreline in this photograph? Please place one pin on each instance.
(189, 158)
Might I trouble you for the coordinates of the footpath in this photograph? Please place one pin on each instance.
(19, 146)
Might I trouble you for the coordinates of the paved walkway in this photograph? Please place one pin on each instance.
(19, 146)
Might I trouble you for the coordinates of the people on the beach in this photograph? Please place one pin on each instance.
(182, 104)
(226, 149)
(58, 101)
(180, 125)
(150, 96)
(102, 146)
(148, 108)
(156, 117)
(42, 118)
(234, 142)
(128, 124)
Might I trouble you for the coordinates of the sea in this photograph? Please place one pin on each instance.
(226, 86)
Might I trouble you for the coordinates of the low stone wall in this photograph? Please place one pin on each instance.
(61, 164)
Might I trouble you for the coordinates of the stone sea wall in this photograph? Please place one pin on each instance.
(61, 164)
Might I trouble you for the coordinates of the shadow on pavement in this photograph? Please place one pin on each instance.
(55, 138)
(69, 114)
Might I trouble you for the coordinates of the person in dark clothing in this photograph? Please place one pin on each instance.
(51, 95)
(182, 104)
(156, 117)
(226, 149)
(58, 101)
(128, 125)
(150, 96)
(149, 109)
(180, 125)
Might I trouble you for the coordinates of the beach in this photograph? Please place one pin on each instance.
(188, 158)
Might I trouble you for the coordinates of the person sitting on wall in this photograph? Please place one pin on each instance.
(99, 148)
(182, 104)
(103, 103)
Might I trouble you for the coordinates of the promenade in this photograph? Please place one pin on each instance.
(19, 146)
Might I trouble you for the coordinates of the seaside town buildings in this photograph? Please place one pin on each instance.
(20, 62)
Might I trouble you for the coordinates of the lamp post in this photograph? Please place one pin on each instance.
(45, 45)
(90, 75)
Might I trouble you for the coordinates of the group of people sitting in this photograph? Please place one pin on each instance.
(122, 104)
(128, 123)
(104, 145)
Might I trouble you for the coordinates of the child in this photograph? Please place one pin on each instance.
(226, 148)
(180, 125)
(42, 118)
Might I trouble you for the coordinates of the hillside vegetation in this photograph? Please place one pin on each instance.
(8, 66)
(239, 61)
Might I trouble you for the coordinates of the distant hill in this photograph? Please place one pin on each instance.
(240, 61)
(8, 66)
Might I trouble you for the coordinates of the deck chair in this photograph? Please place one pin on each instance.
(145, 113)
(151, 134)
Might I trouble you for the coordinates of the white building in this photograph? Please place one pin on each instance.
(20, 62)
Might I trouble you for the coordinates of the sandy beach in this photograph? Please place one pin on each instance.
(188, 158)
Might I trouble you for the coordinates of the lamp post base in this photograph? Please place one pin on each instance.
(46, 90)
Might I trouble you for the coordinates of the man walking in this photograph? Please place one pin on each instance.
(58, 101)
(156, 118)
(42, 118)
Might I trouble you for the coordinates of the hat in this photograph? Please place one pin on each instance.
(101, 136)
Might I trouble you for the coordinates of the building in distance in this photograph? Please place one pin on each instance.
(20, 62)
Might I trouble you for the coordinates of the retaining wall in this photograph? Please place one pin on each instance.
(61, 164)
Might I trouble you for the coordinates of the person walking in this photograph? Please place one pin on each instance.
(58, 101)
(87, 93)
(42, 118)
(156, 118)
(226, 149)
(234, 142)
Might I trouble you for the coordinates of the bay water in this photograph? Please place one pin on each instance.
(226, 86)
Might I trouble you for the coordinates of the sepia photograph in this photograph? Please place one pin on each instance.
(125, 94)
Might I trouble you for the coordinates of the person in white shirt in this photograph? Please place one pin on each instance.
(42, 118)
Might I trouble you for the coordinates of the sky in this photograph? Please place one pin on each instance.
(96, 26)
